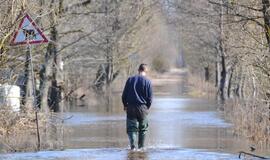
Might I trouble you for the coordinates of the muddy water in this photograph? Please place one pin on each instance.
(180, 128)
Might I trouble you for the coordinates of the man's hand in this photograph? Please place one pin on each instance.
(125, 108)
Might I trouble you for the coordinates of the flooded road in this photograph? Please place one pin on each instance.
(118, 154)
(181, 128)
(174, 123)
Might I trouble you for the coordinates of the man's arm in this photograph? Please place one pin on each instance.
(124, 95)
(149, 95)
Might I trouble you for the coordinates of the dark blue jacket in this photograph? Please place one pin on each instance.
(137, 91)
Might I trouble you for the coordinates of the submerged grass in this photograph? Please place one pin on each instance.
(250, 117)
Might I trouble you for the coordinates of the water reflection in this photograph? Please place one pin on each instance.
(137, 155)
(121, 154)
(178, 126)
(174, 122)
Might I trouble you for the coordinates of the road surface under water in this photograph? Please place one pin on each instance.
(181, 128)
(174, 123)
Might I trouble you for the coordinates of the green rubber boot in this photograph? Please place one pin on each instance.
(141, 140)
(132, 138)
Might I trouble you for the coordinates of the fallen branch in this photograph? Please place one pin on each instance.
(250, 154)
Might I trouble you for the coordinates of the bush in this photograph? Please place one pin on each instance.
(250, 119)
(160, 64)
(18, 131)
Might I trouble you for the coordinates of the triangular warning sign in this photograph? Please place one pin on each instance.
(28, 33)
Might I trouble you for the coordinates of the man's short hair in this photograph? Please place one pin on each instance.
(142, 67)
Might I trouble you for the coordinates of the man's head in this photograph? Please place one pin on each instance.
(142, 69)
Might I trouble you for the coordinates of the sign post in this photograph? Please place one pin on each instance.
(28, 33)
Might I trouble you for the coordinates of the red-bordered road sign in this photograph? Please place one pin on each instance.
(28, 33)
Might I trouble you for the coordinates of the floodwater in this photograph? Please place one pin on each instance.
(181, 128)
(174, 123)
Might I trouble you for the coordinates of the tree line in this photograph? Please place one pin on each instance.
(89, 43)
(227, 43)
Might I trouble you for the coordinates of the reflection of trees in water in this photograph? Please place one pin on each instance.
(178, 86)
(183, 86)
(137, 155)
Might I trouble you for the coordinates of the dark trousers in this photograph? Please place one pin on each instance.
(137, 122)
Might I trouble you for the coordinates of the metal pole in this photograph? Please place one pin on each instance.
(34, 95)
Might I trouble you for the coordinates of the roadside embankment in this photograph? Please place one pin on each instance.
(250, 117)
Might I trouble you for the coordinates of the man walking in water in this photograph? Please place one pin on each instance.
(137, 99)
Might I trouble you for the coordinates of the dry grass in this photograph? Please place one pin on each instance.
(160, 64)
(200, 88)
(18, 132)
(250, 119)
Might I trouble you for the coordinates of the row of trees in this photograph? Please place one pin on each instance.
(227, 43)
(229, 39)
(90, 42)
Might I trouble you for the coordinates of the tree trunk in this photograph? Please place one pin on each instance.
(51, 90)
(218, 70)
(242, 86)
(266, 16)
(229, 89)
(27, 87)
(54, 90)
(223, 79)
(45, 76)
(238, 82)
(254, 86)
(222, 92)
(206, 73)
(42, 76)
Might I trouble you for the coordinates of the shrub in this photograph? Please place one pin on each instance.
(18, 132)
(160, 64)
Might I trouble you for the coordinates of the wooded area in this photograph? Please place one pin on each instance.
(226, 42)
(94, 44)
(91, 44)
